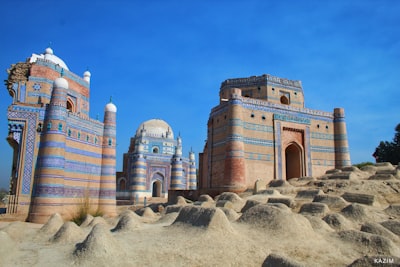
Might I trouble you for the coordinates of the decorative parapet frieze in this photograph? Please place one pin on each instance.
(291, 118)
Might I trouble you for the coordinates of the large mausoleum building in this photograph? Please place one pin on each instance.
(261, 130)
(61, 156)
(154, 164)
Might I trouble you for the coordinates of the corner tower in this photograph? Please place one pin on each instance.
(48, 191)
(107, 192)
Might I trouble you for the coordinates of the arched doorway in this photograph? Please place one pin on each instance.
(293, 161)
(157, 188)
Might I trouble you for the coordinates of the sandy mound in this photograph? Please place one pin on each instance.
(378, 229)
(53, 224)
(333, 202)
(205, 198)
(284, 200)
(97, 220)
(319, 225)
(338, 222)
(393, 210)
(249, 204)
(209, 218)
(88, 219)
(355, 212)
(230, 214)
(148, 212)
(237, 202)
(172, 208)
(314, 208)
(7, 246)
(275, 260)
(277, 219)
(168, 218)
(128, 221)
(392, 225)
(369, 243)
(99, 245)
(181, 201)
(68, 233)
(310, 193)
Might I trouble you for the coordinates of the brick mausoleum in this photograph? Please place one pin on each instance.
(62, 157)
(261, 130)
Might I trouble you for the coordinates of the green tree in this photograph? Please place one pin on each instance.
(389, 151)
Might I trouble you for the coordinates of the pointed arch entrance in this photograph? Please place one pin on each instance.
(294, 161)
(157, 184)
(157, 188)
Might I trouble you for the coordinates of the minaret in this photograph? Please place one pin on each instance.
(234, 171)
(192, 172)
(107, 192)
(48, 192)
(177, 168)
(342, 154)
(138, 177)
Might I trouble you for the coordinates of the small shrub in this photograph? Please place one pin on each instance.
(84, 209)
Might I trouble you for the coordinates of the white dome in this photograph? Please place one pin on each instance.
(53, 58)
(87, 74)
(61, 82)
(110, 107)
(156, 128)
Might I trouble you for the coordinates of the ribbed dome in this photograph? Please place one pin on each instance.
(155, 128)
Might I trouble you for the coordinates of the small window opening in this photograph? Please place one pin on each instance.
(155, 150)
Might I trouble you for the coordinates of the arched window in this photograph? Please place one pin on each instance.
(155, 150)
(49, 126)
(70, 106)
(284, 100)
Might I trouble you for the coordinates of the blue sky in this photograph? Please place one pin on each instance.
(167, 59)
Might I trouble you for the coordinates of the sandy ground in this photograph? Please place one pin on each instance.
(310, 223)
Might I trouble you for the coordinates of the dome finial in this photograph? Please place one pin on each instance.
(110, 98)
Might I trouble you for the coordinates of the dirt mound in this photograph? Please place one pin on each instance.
(97, 220)
(168, 218)
(53, 224)
(275, 218)
(172, 208)
(88, 219)
(205, 198)
(146, 212)
(237, 202)
(127, 222)
(338, 222)
(275, 260)
(314, 208)
(355, 212)
(369, 243)
(333, 202)
(378, 229)
(68, 233)
(279, 183)
(310, 193)
(249, 204)
(208, 218)
(98, 245)
(393, 210)
(284, 200)
(318, 224)
(181, 201)
(230, 214)
(392, 225)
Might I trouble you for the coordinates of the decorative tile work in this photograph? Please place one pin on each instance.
(308, 150)
(31, 119)
(279, 148)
